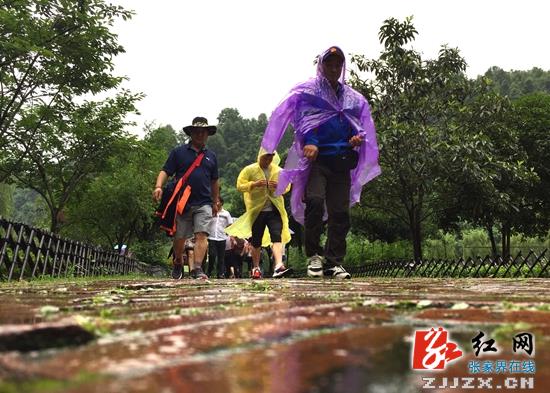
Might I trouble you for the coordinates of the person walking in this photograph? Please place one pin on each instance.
(258, 182)
(216, 240)
(334, 154)
(188, 207)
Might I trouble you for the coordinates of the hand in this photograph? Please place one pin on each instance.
(356, 140)
(272, 184)
(259, 183)
(310, 152)
(157, 194)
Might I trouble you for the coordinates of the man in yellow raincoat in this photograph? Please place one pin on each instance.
(258, 182)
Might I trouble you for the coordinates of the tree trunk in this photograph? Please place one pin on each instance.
(54, 221)
(57, 218)
(494, 250)
(416, 234)
(505, 240)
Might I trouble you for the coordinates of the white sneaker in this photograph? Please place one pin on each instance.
(315, 266)
(337, 272)
(282, 271)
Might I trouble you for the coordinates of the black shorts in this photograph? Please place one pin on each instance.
(271, 219)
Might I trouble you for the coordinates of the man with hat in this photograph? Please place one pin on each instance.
(195, 217)
(333, 155)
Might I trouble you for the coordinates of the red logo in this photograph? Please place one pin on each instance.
(432, 351)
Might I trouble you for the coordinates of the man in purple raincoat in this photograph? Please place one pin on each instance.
(333, 155)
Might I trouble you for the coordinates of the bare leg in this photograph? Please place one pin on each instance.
(256, 256)
(178, 245)
(190, 259)
(277, 250)
(201, 245)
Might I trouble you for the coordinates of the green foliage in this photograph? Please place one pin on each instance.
(444, 246)
(414, 102)
(116, 207)
(29, 207)
(451, 149)
(475, 242)
(6, 199)
(155, 251)
(163, 138)
(361, 250)
(468, 243)
(488, 188)
(376, 223)
(73, 146)
(532, 121)
(50, 53)
(516, 84)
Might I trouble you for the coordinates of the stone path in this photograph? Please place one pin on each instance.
(290, 335)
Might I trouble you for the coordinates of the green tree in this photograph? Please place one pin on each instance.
(117, 206)
(531, 118)
(487, 182)
(50, 52)
(516, 83)
(72, 148)
(414, 102)
(163, 137)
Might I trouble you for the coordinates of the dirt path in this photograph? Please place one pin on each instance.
(292, 335)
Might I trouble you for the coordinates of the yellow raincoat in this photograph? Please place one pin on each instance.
(255, 198)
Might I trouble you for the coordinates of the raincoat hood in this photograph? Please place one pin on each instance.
(321, 58)
(307, 106)
(276, 158)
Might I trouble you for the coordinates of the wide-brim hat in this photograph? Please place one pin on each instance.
(200, 123)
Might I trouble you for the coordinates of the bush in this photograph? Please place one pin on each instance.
(152, 252)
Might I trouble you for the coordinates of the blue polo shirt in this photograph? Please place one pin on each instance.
(331, 137)
(200, 180)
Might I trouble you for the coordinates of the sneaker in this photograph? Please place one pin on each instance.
(337, 272)
(177, 271)
(256, 273)
(198, 274)
(315, 266)
(282, 271)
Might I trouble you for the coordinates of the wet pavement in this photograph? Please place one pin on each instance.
(288, 335)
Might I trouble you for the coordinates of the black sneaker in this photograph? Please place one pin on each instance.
(177, 271)
(198, 274)
(336, 272)
(282, 271)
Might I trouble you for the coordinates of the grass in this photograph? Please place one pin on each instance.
(45, 385)
(71, 280)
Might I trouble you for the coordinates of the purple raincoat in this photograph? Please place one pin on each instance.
(307, 106)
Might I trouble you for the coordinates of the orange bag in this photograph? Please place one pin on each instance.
(183, 200)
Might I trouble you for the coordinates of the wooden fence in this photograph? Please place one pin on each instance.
(27, 252)
(531, 265)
